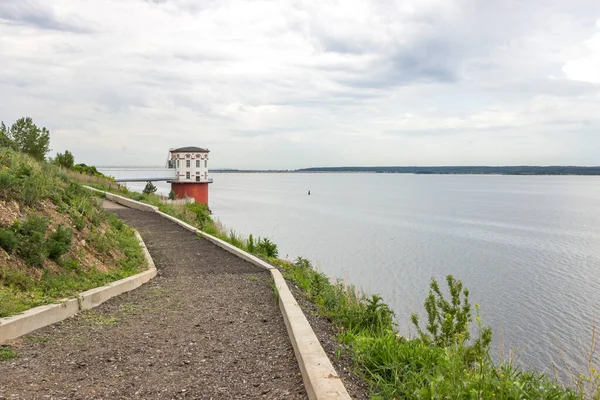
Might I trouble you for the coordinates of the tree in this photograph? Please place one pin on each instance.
(172, 195)
(29, 138)
(65, 160)
(4, 139)
(150, 188)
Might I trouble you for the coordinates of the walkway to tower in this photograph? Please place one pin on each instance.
(208, 327)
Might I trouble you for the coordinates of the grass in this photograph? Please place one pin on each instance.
(442, 362)
(7, 353)
(36, 339)
(52, 266)
(93, 318)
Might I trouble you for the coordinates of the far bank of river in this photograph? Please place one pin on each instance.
(527, 246)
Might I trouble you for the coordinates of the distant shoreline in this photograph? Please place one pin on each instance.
(443, 170)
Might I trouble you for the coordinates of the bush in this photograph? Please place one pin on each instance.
(267, 248)
(59, 242)
(31, 232)
(172, 195)
(200, 213)
(8, 240)
(150, 188)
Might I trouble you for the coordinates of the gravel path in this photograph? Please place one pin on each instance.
(208, 327)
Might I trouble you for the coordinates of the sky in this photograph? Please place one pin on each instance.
(288, 84)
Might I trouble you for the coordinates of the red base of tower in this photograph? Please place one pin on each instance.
(197, 190)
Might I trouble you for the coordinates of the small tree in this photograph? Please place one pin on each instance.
(29, 138)
(150, 188)
(65, 160)
(4, 139)
(172, 195)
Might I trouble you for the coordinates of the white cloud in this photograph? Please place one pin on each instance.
(587, 68)
(286, 84)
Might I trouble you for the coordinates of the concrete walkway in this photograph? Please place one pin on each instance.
(208, 327)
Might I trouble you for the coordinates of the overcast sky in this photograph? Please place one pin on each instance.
(290, 84)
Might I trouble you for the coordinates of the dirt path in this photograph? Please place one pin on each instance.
(207, 327)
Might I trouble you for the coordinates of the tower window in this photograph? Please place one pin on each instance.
(177, 163)
(197, 178)
(187, 163)
(197, 163)
(205, 163)
(187, 175)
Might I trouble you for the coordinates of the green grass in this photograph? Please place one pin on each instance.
(7, 353)
(54, 269)
(93, 318)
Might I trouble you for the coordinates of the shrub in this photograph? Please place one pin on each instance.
(150, 188)
(59, 242)
(8, 240)
(31, 232)
(448, 321)
(267, 248)
(200, 213)
(172, 195)
(138, 197)
(7, 180)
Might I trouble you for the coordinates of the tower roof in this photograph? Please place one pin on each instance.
(190, 149)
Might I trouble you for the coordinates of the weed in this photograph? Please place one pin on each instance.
(275, 289)
(93, 318)
(250, 245)
(266, 247)
(253, 278)
(7, 353)
(59, 242)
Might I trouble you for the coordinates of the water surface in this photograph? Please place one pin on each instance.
(528, 247)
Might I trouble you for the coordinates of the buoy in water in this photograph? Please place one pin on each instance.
(309, 192)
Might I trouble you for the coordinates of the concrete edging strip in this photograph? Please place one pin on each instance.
(124, 201)
(39, 317)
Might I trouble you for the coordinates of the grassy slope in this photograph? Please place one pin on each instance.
(395, 367)
(55, 238)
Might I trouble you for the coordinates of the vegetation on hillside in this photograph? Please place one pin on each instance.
(442, 362)
(26, 137)
(55, 238)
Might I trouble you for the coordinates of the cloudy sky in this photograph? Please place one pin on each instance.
(299, 83)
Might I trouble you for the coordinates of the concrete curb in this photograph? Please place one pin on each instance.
(38, 317)
(124, 201)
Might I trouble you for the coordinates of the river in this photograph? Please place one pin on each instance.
(527, 247)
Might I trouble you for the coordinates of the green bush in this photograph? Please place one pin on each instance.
(59, 242)
(149, 188)
(31, 233)
(8, 240)
(267, 248)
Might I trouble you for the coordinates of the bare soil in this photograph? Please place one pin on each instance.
(208, 327)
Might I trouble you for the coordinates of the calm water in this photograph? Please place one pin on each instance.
(528, 248)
